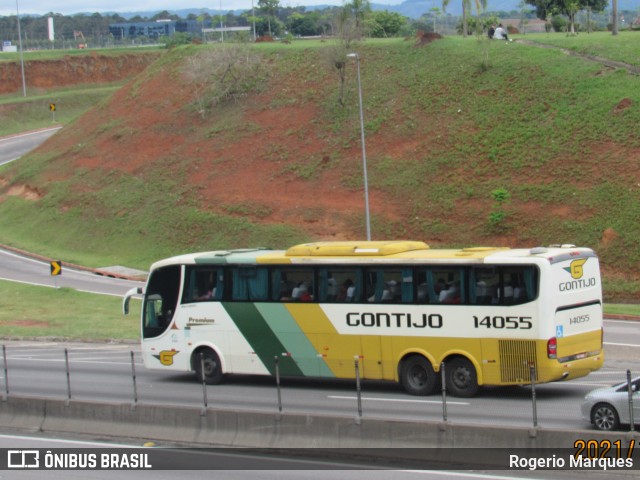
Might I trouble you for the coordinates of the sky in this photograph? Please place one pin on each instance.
(69, 7)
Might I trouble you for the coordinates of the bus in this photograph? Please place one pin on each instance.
(488, 316)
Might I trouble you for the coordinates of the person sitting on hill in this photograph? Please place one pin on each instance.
(500, 33)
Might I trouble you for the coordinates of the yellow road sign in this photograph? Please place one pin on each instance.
(56, 267)
(52, 107)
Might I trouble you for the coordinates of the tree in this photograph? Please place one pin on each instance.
(466, 7)
(548, 8)
(269, 7)
(359, 10)
(385, 23)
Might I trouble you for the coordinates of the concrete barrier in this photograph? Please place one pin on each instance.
(190, 426)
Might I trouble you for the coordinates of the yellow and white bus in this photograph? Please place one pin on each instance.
(400, 307)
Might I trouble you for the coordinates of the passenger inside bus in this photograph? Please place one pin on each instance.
(347, 291)
(208, 294)
(451, 295)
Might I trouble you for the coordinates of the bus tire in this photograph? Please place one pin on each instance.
(461, 378)
(417, 376)
(212, 367)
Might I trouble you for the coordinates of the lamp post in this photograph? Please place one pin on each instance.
(221, 31)
(24, 85)
(364, 150)
(253, 19)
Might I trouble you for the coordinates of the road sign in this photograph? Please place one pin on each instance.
(52, 107)
(56, 268)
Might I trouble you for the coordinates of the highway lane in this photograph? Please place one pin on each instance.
(14, 146)
(104, 372)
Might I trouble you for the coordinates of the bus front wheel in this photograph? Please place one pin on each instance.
(461, 378)
(418, 377)
(208, 359)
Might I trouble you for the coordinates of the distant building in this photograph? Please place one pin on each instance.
(157, 29)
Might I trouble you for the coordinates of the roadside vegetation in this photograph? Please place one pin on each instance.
(30, 311)
(23, 114)
(476, 141)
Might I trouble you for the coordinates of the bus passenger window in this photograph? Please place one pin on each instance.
(485, 286)
(201, 284)
(449, 286)
(293, 285)
(336, 285)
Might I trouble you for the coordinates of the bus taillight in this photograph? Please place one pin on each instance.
(552, 348)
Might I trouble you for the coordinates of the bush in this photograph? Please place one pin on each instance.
(559, 23)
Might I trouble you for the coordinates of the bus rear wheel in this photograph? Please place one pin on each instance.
(417, 376)
(212, 368)
(461, 378)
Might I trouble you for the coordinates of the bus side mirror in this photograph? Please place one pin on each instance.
(127, 299)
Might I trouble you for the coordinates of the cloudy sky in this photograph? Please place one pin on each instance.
(68, 7)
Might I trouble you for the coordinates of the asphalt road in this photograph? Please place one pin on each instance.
(18, 268)
(14, 146)
(104, 372)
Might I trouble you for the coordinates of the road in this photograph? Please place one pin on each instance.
(14, 146)
(104, 372)
(18, 268)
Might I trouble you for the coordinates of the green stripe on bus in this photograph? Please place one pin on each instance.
(262, 339)
(295, 341)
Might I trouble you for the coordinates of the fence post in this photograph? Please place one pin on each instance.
(358, 389)
(66, 361)
(6, 373)
(443, 380)
(276, 361)
(532, 373)
(133, 375)
(630, 392)
(203, 412)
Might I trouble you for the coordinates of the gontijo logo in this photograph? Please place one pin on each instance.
(166, 357)
(576, 271)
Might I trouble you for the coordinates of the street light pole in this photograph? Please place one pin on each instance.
(24, 85)
(364, 150)
(221, 31)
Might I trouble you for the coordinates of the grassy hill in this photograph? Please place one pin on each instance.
(469, 142)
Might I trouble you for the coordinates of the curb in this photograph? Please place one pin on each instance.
(615, 316)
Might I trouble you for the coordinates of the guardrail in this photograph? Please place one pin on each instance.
(217, 426)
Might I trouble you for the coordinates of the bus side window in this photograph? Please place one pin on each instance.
(250, 283)
(485, 284)
(450, 286)
(293, 285)
(202, 284)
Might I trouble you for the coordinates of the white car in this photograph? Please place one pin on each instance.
(608, 408)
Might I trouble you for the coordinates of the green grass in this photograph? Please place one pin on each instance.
(622, 309)
(625, 47)
(20, 114)
(30, 311)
